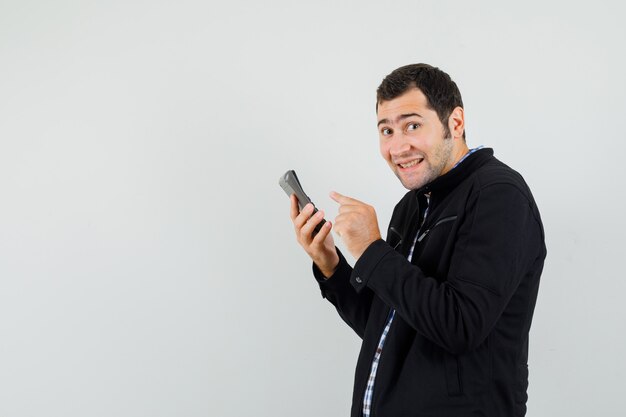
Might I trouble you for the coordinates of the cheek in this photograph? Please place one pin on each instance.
(384, 150)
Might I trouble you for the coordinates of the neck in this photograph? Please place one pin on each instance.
(457, 155)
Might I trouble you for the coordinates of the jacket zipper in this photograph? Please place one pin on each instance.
(444, 220)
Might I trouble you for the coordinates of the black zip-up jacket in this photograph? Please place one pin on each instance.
(458, 345)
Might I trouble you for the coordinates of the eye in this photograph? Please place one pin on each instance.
(412, 126)
(386, 131)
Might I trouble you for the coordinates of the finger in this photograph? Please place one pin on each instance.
(349, 208)
(339, 224)
(295, 210)
(304, 215)
(342, 199)
(321, 235)
(306, 231)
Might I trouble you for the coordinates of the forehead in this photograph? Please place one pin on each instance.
(412, 101)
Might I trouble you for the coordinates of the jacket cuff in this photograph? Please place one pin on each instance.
(368, 261)
(338, 279)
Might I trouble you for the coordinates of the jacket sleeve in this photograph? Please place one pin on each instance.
(496, 245)
(353, 307)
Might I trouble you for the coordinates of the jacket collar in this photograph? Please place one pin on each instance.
(454, 177)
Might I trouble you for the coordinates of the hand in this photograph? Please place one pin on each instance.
(321, 247)
(356, 224)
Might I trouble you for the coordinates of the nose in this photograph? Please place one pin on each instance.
(399, 145)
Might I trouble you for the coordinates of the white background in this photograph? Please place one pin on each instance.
(147, 262)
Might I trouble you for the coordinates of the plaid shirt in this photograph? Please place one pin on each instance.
(369, 389)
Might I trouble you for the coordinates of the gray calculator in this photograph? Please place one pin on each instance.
(290, 183)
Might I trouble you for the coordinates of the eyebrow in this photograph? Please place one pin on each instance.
(401, 117)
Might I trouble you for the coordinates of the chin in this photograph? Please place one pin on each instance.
(412, 184)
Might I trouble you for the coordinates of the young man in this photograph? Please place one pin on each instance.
(444, 305)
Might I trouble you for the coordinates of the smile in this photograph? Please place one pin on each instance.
(411, 164)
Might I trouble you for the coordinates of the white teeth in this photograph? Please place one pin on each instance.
(410, 164)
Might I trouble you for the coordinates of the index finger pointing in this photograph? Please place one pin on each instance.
(342, 199)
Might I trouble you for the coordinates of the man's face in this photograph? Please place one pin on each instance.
(412, 140)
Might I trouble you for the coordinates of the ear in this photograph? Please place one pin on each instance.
(456, 122)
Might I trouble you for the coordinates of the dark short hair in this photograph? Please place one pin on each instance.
(442, 94)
